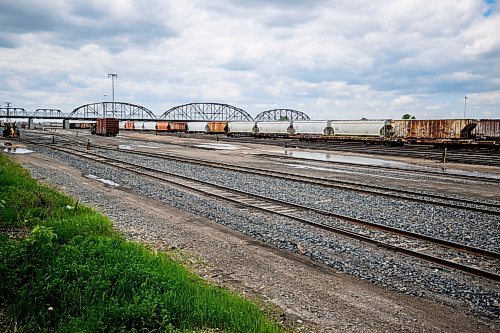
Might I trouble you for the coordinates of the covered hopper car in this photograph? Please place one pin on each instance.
(241, 128)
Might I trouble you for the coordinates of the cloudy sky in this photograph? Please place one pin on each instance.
(339, 59)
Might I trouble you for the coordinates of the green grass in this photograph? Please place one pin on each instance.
(74, 273)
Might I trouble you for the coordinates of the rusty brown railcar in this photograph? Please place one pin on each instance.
(178, 127)
(488, 129)
(163, 126)
(129, 125)
(106, 127)
(217, 127)
(434, 130)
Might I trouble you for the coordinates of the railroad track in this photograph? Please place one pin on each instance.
(438, 251)
(427, 198)
(482, 207)
(375, 167)
(393, 169)
(468, 156)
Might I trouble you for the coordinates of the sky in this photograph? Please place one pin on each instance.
(338, 59)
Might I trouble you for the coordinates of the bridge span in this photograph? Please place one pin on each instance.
(127, 111)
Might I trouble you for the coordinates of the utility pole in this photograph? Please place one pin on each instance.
(465, 106)
(113, 76)
(8, 108)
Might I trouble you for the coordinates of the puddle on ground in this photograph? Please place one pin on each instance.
(131, 147)
(300, 166)
(220, 146)
(17, 150)
(345, 159)
(144, 146)
(102, 180)
(385, 163)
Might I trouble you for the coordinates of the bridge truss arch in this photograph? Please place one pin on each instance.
(48, 113)
(206, 111)
(112, 110)
(281, 114)
(13, 112)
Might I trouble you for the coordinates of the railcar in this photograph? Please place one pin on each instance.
(434, 131)
(178, 127)
(128, 125)
(148, 126)
(241, 128)
(361, 128)
(139, 125)
(81, 124)
(162, 126)
(105, 127)
(196, 127)
(311, 128)
(273, 129)
(216, 127)
(488, 130)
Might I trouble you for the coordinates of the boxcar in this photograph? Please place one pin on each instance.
(434, 130)
(106, 127)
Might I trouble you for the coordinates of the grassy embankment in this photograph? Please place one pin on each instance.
(73, 273)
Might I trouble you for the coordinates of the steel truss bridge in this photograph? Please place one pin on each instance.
(127, 111)
(207, 112)
(281, 115)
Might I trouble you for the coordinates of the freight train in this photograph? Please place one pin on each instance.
(383, 131)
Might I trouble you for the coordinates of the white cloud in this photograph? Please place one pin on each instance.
(329, 59)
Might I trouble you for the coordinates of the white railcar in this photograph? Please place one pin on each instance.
(139, 126)
(241, 128)
(196, 127)
(311, 127)
(366, 128)
(149, 125)
(273, 127)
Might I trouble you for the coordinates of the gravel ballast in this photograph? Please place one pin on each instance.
(383, 268)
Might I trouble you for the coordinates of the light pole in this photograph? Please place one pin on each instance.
(104, 105)
(113, 76)
(465, 105)
(8, 108)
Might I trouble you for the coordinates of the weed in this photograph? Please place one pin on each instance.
(74, 273)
